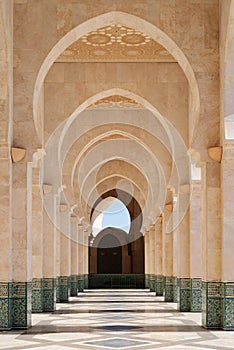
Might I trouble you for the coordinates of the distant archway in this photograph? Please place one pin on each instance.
(109, 256)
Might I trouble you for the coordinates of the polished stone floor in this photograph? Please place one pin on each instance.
(116, 319)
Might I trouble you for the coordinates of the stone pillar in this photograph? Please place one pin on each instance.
(21, 244)
(227, 287)
(167, 256)
(81, 258)
(65, 271)
(196, 247)
(175, 249)
(5, 239)
(158, 257)
(211, 246)
(183, 256)
(37, 242)
(152, 258)
(86, 259)
(49, 259)
(147, 266)
(6, 116)
(74, 257)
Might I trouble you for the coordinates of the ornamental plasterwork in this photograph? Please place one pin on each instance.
(115, 43)
(115, 101)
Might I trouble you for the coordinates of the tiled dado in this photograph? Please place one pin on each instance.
(21, 304)
(43, 294)
(80, 283)
(5, 305)
(159, 285)
(147, 281)
(152, 283)
(196, 294)
(211, 304)
(37, 295)
(49, 294)
(228, 305)
(184, 294)
(63, 288)
(74, 285)
(175, 286)
(86, 281)
(169, 288)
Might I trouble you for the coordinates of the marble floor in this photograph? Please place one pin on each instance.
(116, 319)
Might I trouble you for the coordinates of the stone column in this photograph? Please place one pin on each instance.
(81, 258)
(6, 116)
(183, 256)
(65, 271)
(147, 266)
(158, 257)
(5, 239)
(196, 247)
(37, 242)
(86, 259)
(152, 258)
(175, 249)
(227, 287)
(211, 246)
(167, 255)
(74, 257)
(49, 258)
(21, 244)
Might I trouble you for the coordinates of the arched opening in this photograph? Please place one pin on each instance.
(109, 256)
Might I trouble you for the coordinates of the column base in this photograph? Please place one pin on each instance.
(152, 283)
(63, 289)
(159, 285)
(169, 289)
(228, 306)
(175, 287)
(37, 295)
(5, 305)
(196, 295)
(146, 281)
(80, 283)
(86, 281)
(184, 294)
(21, 305)
(211, 305)
(74, 285)
(57, 290)
(49, 294)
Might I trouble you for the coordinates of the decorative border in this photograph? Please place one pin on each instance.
(63, 286)
(228, 305)
(49, 294)
(152, 283)
(37, 295)
(74, 285)
(211, 304)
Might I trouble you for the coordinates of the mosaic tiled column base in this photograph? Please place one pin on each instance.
(74, 285)
(21, 304)
(184, 294)
(86, 281)
(211, 304)
(159, 285)
(196, 294)
(5, 305)
(57, 289)
(80, 283)
(146, 281)
(169, 289)
(228, 305)
(37, 295)
(63, 287)
(175, 286)
(49, 294)
(152, 283)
